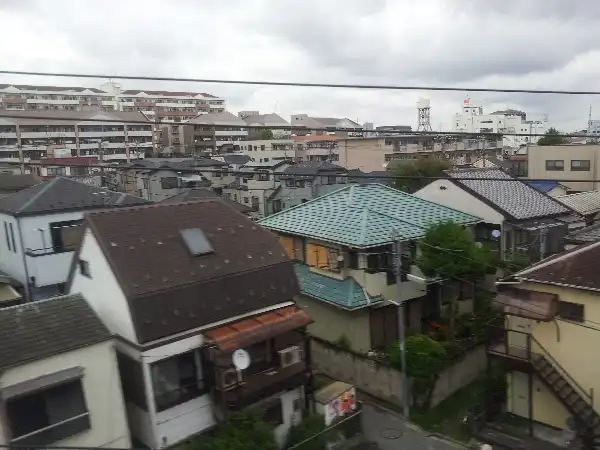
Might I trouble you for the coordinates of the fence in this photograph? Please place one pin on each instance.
(384, 382)
(344, 434)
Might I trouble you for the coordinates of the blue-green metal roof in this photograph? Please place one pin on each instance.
(346, 293)
(364, 216)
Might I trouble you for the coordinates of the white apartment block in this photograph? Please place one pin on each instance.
(167, 106)
(473, 120)
(35, 135)
(269, 150)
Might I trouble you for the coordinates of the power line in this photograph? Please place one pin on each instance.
(299, 84)
(291, 128)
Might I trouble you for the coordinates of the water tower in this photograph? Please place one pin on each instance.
(424, 113)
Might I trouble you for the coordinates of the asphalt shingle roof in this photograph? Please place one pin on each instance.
(578, 267)
(45, 328)
(346, 293)
(363, 216)
(169, 289)
(584, 203)
(12, 183)
(64, 194)
(514, 198)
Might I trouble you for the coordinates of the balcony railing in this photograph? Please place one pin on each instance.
(55, 432)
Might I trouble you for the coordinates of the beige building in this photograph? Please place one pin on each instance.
(549, 343)
(566, 162)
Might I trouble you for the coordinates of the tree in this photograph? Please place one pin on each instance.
(246, 430)
(420, 167)
(553, 137)
(448, 251)
(425, 358)
(266, 134)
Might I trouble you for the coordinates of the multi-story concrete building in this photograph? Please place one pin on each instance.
(593, 130)
(268, 150)
(31, 135)
(566, 162)
(216, 131)
(329, 123)
(15, 97)
(257, 123)
(473, 120)
(168, 106)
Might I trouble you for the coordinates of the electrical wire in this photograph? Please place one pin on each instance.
(291, 128)
(299, 84)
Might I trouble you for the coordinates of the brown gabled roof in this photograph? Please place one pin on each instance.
(577, 268)
(170, 291)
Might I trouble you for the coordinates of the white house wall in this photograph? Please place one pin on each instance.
(102, 291)
(11, 263)
(52, 268)
(102, 390)
(454, 197)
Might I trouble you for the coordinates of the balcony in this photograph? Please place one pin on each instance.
(50, 267)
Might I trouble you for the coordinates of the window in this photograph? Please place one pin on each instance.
(324, 258)
(262, 148)
(581, 165)
(84, 268)
(66, 236)
(262, 176)
(555, 164)
(48, 416)
(246, 200)
(277, 177)
(10, 237)
(132, 380)
(145, 181)
(176, 380)
(274, 412)
(571, 311)
(172, 182)
(289, 182)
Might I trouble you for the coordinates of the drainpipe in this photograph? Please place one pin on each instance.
(27, 286)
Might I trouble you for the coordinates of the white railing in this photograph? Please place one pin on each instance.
(50, 427)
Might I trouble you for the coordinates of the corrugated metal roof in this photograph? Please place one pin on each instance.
(347, 293)
(515, 198)
(584, 203)
(363, 216)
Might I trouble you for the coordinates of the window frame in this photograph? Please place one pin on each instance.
(187, 390)
(551, 165)
(43, 397)
(273, 412)
(566, 311)
(582, 168)
(57, 238)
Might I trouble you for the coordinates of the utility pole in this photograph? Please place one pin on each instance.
(543, 232)
(401, 327)
(100, 160)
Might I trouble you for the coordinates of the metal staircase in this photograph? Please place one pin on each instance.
(577, 400)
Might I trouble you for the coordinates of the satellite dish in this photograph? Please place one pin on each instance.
(241, 359)
(496, 233)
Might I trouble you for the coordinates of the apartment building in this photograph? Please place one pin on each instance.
(566, 162)
(168, 106)
(473, 120)
(328, 123)
(267, 150)
(216, 132)
(15, 97)
(257, 123)
(373, 154)
(30, 135)
(179, 139)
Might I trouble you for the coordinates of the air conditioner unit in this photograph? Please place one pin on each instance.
(229, 379)
(290, 356)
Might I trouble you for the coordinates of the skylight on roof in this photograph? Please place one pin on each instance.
(196, 241)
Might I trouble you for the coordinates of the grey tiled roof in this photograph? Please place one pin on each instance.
(514, 198)
(584, 235)
(203, 194)
(42, 329)
(584, 203)
(236, 159)
(64, 194)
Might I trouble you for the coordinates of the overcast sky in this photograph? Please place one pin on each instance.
(543, 44)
